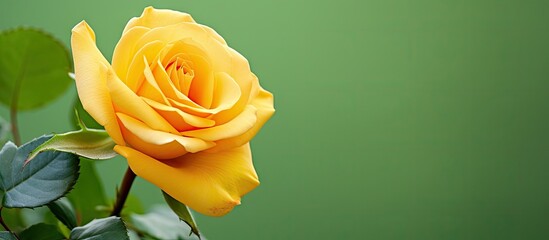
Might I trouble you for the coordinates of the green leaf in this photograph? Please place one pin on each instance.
(34, 68)
(89, 143)
(63, 210)
(5, 235)
(105, 228)
(162, 223)
(88, 193)
(182, 212)
(133, 235)
(31, 216)
(14, 219)
(47, 178)
(41, 231)
(63, 229)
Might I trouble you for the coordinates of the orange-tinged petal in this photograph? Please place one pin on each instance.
(152, 18)
(263, 102)
(91, 74)
(202, 86)
(188, 52)
(159, 144)
(185, 80)
(172, 72)
(127, 102)
(175, 97)
(210, 183)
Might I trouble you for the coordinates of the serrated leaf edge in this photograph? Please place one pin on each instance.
(72, 184)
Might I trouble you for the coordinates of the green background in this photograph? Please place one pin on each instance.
(395, 119)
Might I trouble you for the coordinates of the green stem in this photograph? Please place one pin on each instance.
(122, 194)
(14, 128)
(15, 99)
(5, 226)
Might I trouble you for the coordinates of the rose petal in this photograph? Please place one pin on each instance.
(216, 53)
(202, 86)
(135, 76)
(127, 102)
(178, 118)
(226, 92)
(187, 51)
(124, 51)
(158, 144)
(239, 125)
(264, 105)
(246, 80)
(152, 18)
(223, 59)
(191, 110)
(151, 92)
(91, 77)
(172, 72)
(200, 89)
(210, 183)
(213, 34)
(185, 80)
(165, 151)
(150, 88)
(169, 89)
(247, 90)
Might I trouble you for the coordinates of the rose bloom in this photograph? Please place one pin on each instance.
(180, 104)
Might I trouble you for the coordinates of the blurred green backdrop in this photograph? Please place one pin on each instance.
(395, 119)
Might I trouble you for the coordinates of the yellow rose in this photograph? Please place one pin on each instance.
(180, 104)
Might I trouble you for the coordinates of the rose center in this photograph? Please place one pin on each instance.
(181, 74)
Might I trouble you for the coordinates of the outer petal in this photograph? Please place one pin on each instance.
(125, 101)
(239, 125)
(91, 74)
(214, 34)
(158, 144)
(248, 82)
(178, 118)
(264, 104)
(210, 183)
(152, 18)
(135, 76)
(226, 92)
(124, 51)
(217, 54)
